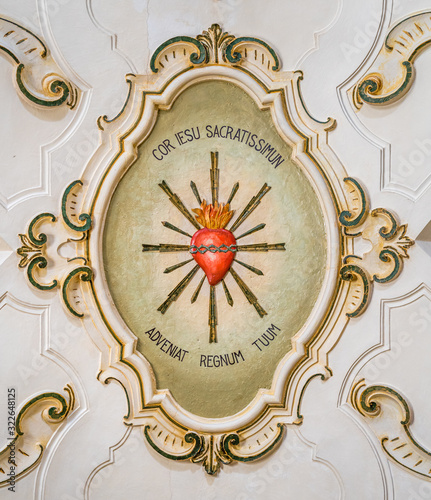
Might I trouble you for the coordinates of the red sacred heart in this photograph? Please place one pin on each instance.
(217, 259)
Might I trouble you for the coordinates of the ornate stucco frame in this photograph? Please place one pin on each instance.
(252, 65)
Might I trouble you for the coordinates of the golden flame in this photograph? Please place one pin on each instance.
(213, 217)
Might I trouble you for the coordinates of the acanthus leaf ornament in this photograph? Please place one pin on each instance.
(214, 47)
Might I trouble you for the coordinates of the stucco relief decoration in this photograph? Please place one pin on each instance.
(390, 416)
(393, 72)
(214, 249)
(29, 430)
(38, 78)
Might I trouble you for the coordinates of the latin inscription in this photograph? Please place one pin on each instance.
(220, 360)
(166, 345)
(211, 360)
(265, 339)
(244, 136)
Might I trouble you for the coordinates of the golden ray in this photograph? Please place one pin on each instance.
(250, 207)
(251, 231)
(175, 228)
(165, 247)
(215, 174)
(176, 292)
(261, 247)
(233, 193)
(196, 192)
(176, 266)
(212, 320)
(227, 293)
(179, 204)
(198, 289)
(249, 295)
(255, 270)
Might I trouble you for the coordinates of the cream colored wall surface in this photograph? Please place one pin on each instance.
(342, 449)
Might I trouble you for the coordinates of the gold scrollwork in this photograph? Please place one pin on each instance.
(213, 450)
(212, 454)
(395, 62)
(34, 252)
(384, 405)
(214, 46)
(25, 449)
(355, 215)
(26, 50)
(384, 262)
